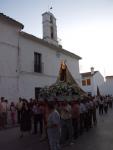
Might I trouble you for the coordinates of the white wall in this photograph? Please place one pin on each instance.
(107, 87)
(8, 60)
(9, 33)
(51, 65)
(49, 58)
(87, 88)
(98, 81)
(28, 82)
(9, 88)
(17, 77)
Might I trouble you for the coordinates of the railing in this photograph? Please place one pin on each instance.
(39, 68)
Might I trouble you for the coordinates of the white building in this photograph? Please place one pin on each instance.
(27, 62)
(91, 80)
(107, 86)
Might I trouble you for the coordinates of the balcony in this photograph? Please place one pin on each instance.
(38, 68)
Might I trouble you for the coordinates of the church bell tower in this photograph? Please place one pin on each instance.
(49, 28)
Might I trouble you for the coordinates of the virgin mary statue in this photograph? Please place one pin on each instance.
(63, 68)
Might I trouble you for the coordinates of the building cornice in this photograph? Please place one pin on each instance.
(8, 44)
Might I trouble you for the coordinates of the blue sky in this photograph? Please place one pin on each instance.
(85, 27)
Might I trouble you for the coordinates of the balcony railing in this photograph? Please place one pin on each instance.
(38, 68)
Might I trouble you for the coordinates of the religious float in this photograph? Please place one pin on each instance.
(65, 87)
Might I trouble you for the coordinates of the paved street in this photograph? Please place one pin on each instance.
(98, 138)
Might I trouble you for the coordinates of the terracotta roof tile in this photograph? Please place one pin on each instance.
(88, 74)
(109, 77)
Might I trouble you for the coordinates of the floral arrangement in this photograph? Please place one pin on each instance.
(58, 89)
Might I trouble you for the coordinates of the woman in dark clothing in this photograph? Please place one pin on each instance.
(25, 122)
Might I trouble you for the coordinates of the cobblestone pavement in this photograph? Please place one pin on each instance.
(98, 138)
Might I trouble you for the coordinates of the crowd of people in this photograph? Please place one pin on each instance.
(59, 121)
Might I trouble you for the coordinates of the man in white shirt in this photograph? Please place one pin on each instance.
(53, 128)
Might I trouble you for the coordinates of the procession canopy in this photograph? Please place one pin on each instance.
(63, 73)
(66, 77)
(65, 86)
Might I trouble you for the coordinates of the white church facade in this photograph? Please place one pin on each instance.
(28, 63)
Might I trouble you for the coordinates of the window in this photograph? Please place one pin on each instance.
(88, 82)
(83, 82)
(37, 62)
(52, 36)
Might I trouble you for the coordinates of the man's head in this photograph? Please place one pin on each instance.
(2, 99)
